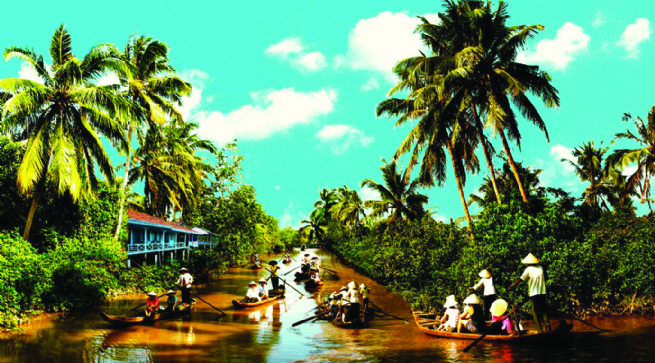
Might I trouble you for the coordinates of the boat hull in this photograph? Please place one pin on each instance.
(125, 320)
(243, 305)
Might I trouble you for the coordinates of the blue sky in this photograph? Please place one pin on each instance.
(297, 82)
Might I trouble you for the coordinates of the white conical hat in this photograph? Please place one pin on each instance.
(472, 299)
(530, 259)
(352, 284)
(170, 292)
(151, 293)
(498, 308)
(450, 301)
(252, 283)
(263, 280)
(485, 274)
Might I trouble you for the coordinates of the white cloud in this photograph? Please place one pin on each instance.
(599, 19)
(285, 47)
(368, 194)
(341, 137)
(108, 79)
(569, 42)
(191, 103)
(633, 35)
(271, 111)
(371, 84)
(292, 216)
(557, 173)
(377, 44)
(28, 72)
(313, 61)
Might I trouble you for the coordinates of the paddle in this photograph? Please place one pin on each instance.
(591, 325)
(286, 283)
(327, 269)
(288, 272)
(201, 299)
(380, 310)
(310, 318)
(516, 320)
(465, 350)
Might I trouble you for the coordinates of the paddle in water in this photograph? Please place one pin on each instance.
(380, 310)
(201, 299)
(310, 318)
(288, 272)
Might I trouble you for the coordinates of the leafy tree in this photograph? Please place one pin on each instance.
(63, 118)
(350, 210)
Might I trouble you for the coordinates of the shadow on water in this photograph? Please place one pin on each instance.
(264, 334)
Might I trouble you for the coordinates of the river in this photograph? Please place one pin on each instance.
(266, 335)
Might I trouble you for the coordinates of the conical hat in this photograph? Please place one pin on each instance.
(252, 283)
(498, 308)
(170, 292)
(352, 284)
(450, 301)
(151, 293)
(485, 274)
(263, 280)
(529, 259)
(472, 299)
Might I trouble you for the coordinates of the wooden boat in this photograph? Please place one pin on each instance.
(286, 262)
(245, 305)
(312, 284)
(125, 320)
(256, 267)
(299, 276)
(280, 291)
(426, 323)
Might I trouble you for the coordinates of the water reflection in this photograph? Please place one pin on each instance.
(265, 334)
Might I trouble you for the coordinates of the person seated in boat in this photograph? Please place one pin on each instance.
(313, 274)
(364, 291)
(152, 303)
(536, 278)
(287, 258)
(253, 293)
(489, 290)
(263, 289)
(171, 301)
(450, 318)
(316, 262)
(501, 324)
(353, 297)
(472, 318)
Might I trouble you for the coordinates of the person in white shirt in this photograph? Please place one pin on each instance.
(354, 298)
(451, 316)
(489, 291)
(184, 282)
(253, 293)
(536, 278)
(263, 289)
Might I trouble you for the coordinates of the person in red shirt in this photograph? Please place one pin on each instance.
(152, 303)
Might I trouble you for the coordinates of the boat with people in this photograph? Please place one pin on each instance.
(280, 291)
(244, 305)
(140, 319)
(313, 284)
(428, 322)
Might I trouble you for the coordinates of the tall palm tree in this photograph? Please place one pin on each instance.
(350, 209)
(316, 225)
(327, 199)
(154, 89)
(63, 118)
(588, 166)
(644, 156)
(398, 197)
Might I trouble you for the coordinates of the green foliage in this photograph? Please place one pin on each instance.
(289, 238)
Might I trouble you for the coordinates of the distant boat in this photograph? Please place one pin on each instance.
(125, 320)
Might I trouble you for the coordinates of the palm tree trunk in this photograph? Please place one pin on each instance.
(486, 155)
(121, 203)
(459, 187)
(513, 165)
(30, 216)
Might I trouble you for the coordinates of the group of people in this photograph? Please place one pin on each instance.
(346, 304)
(184, 282)
(473, 318)
(257, 293)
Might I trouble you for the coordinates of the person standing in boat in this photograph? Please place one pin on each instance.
(489, 290)
(171, 301)
(263, 289)
(451, 316)
(536, 278)
(473, 316)
(275, 279)
(152, 303)
(253, 293)
(304, 266)
(364, 292)
(184, 282)
(354, 298)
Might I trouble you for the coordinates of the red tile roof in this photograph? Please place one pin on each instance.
(150, 219)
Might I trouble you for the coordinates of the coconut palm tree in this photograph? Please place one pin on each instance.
(154, 89)
(349, 210)
(398, 197)
(588, 166)
(316, 225)
(63, 117)
(644, 156)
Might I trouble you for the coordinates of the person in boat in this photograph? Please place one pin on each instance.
(316, 262)
(364, 292)
(184, 282)
(275, 279)
(501, 324)
(353, 297)
(341, 303)
(253, 293)
(287, 258)
(472, 318)
(313, 274)
(263, 289)
(489, 290)
(152, 303)
(451, 316)
(536, 278)
(332, 304)
(171, 301)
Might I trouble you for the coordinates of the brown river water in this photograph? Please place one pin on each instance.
(265, 334)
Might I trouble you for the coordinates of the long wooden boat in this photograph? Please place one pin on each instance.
(426, 323)
(125, 320)
(280, 291)
(245, 305)
(256, 267)
(299, 276)
(286, 262)
(312, 284)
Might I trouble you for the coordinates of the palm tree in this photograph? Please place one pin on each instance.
(155, 90)
(349, 209)
(63, 117)
(327, 199)
(506, 183)
(316, 225)
(588, 166)
(398, 197)
(643, 156)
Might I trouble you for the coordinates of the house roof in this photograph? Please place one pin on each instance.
(146, 220)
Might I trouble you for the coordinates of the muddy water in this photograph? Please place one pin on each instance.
(265, 334)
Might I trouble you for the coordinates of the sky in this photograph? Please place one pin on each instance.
(297, 82)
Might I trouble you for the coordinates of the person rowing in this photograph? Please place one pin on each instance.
(253, 293)
(354, 298)
(364, 291)
(305, 264)
(489, 290)
(184, 282)
(275, 279)
(152, 303)
(263, 289)
(536, 278)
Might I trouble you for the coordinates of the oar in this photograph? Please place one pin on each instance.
(201, 299)
(591, 325)
(516, 320)
(308, 319)
(288, 272)
(286, 283)
(465, 350)
(380, 310)
(327, 269)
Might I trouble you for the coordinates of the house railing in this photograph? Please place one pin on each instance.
(155, 246)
